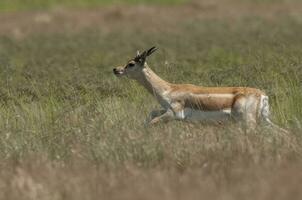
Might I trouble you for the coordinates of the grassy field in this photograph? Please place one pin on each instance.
(69, 129)
(17, 5)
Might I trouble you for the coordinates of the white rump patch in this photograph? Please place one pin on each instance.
(199, 115)
(264, 107)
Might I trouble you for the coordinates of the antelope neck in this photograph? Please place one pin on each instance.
(153, 83)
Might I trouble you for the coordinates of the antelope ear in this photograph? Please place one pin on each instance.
(142, 57)
(151, 51)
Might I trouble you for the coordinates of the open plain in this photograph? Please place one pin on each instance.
(69, 129)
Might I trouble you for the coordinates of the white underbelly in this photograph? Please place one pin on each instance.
(199, 115)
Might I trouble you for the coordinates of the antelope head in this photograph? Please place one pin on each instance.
(134, 67)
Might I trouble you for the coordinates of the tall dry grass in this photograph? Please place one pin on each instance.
(70, 130)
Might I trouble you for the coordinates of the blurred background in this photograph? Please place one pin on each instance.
(69, 129)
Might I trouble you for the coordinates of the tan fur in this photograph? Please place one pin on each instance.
(217, 90)
(207, 98)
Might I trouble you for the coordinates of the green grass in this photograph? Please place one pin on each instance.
(69, 129)
(31, 5)
(58, 89)
(19, 5)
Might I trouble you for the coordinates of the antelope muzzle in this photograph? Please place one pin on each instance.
(119, 71)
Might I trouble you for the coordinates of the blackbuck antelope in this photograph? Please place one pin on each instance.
(190, 102)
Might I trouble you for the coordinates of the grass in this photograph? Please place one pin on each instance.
(69, 129)
(34, 5)
(21, 5)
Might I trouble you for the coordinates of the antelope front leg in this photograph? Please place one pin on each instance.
(161, 115)
(154, 114)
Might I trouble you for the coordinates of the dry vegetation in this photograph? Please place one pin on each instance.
(70, 130)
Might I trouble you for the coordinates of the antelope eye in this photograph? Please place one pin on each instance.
(131, 64)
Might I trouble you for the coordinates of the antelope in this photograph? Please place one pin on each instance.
(191, 102)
